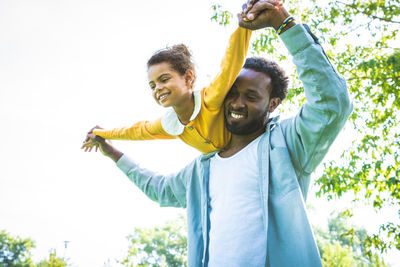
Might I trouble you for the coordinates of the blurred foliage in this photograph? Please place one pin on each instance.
(16, 252)
(222, 17)
(361, 39)
(53, 261)
(164, 245)
(342, 244)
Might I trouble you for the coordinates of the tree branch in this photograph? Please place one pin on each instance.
(368, 14)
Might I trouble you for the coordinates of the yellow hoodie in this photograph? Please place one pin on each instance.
(206, 130)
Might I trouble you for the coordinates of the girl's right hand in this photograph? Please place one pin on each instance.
(90, 141)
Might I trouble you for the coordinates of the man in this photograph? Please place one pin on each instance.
(245, 204)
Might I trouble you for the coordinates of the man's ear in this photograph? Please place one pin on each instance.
(274, 103)
(189, 78)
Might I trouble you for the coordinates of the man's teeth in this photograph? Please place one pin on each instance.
(236, 116)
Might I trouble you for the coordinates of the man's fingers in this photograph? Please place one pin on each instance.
(244, 23)
(249, 5)
(92, 140)
(250, 16)
(262, 5)
(259, 7)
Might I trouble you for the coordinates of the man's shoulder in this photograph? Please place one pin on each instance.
(278, 128)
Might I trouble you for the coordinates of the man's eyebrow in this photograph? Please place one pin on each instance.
(252, 91)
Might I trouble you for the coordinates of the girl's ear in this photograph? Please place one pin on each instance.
(189, 78)
(274, 103)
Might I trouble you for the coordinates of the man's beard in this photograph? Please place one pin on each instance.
(251, 127)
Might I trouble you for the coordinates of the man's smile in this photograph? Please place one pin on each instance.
(237, 115)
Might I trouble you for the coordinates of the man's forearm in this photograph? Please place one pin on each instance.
(107, 149)
(115, 155)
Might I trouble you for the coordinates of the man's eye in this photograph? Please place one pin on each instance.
(165, 80)
(251, 98)
(152, 86)
(231, 93)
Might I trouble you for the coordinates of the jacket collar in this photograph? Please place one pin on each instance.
(273, 122)
(170, 121)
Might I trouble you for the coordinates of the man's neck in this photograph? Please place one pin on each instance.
(238, 142)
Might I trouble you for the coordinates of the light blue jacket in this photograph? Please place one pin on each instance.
(289, 151)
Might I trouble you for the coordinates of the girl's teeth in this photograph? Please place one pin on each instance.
(162, 97)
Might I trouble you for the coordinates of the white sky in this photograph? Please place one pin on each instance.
(65, 66)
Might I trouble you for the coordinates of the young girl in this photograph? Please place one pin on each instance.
(195, 117)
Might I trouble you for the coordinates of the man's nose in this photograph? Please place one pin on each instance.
(238, 103)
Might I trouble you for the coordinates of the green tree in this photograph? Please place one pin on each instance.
(360, 38)
(342, 244)
(337, 255)
(15, 251)
(164, 245)
(53, 261)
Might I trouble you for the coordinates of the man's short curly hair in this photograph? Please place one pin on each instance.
(279, 79)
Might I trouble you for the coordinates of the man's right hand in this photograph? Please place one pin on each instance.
(261, 14)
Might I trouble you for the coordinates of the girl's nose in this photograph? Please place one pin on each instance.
(158, 87)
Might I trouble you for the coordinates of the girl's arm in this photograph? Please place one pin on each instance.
(231, 65)
(143, 130)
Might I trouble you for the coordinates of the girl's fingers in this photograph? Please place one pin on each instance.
(244, 8)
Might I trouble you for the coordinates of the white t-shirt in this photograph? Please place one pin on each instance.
(237, 233)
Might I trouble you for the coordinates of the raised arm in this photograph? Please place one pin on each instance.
(166, 190)
(234, 58)
(231, 65)
(312, 131)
